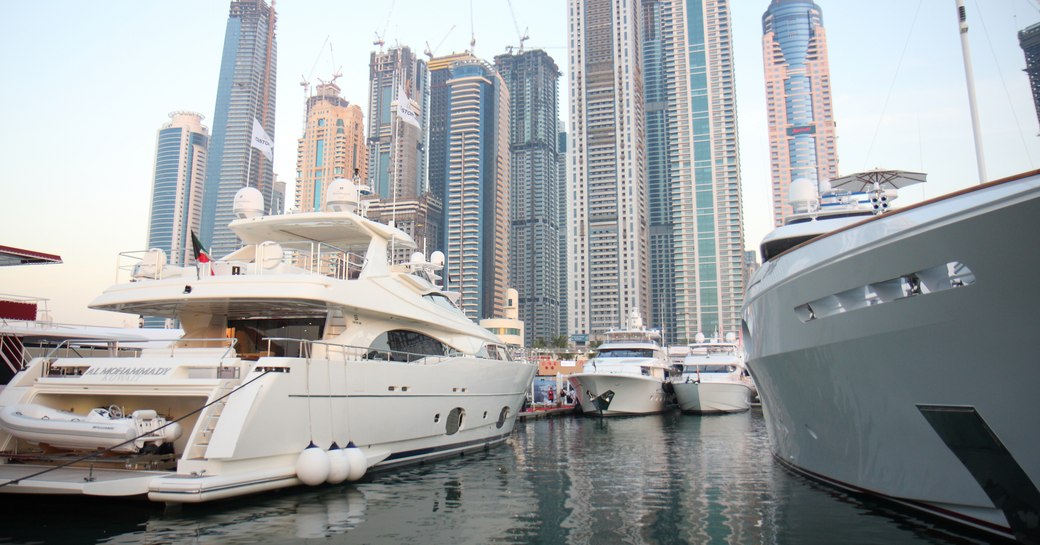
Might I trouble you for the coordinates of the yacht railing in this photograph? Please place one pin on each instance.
(265, 258)
(304, 349)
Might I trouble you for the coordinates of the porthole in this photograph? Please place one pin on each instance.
(453, 423)
(485, 415)
(437, 417)
(502, 416)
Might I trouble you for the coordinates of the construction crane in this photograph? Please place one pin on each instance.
(523, 37)
(380, 41)
(431, 52)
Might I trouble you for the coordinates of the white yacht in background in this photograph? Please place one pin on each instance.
(897, 355)
(629, 374)
(304, 341)
(714, 379)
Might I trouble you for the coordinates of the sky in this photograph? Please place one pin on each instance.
(85, 86)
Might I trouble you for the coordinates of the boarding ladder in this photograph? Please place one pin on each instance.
(12, 357)
(209, 419)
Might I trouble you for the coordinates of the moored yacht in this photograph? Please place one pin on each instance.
(714, 379)
(307, 357)
(629, 374)
(896, 356)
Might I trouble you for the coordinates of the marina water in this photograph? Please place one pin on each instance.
(658, 479)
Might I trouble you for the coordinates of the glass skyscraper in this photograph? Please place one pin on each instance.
(535, 230)
(245, 91)
(693, 172)
(798, 98)
(469, 161)
(177, 190)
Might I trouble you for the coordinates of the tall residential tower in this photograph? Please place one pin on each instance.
(693, 169)
(535, 230)
(177, 191)
(470, 127)
(608, 251)
(333, 146)
(177, 188)
(798, 95)
(245, 92)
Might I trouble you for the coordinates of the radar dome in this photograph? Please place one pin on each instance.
(249, 203)
(342, 196)
(731, 337)
(437, 258)
(801, 195)
(698, 338)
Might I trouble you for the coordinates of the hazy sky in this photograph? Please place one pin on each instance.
(86, 86)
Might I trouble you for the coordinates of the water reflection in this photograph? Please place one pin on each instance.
(659, 479)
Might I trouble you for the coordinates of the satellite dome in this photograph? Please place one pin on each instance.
(249, 203)
(801, 195)
(342, 196)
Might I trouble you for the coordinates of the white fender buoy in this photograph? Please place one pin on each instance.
(339, 465)
(312, 467)
(358, 462)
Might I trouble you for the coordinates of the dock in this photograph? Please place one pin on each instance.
(535, 413)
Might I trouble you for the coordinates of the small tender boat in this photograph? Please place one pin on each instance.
(101, 428)
(714, 379)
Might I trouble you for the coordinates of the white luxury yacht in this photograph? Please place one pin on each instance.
(307, 357)
(628, 374)
(714, 378)
(897, 355)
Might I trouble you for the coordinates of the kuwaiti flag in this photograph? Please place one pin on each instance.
(201, 255)
(404, 108)
(261, 141)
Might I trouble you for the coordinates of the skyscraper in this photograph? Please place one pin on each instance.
(696, 223)
(607, 238)
(245, 92)
(397, 148)
(397, 156)
(333, 145)
(177, 187)
(177, 190)
(535, 232)
(469, 115)
(1029, 40)
(798, 98)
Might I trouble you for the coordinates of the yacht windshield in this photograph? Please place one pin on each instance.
(710, 368)
(625, 353)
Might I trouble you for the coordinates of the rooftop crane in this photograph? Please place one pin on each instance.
(379, 41)
(523, 37)
(431, 52)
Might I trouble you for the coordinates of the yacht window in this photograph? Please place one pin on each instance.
(711, 369)
(625, 353)
(252, 336)
(775, 247)
(404, 345)
(442, 301)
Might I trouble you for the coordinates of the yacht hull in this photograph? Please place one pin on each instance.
(396, 413)
(923, 395)
(712, 397)
(618, 395)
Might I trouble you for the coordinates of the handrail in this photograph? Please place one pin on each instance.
(363, 352)
(67, 344)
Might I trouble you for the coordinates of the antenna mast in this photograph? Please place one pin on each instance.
(969, 76)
